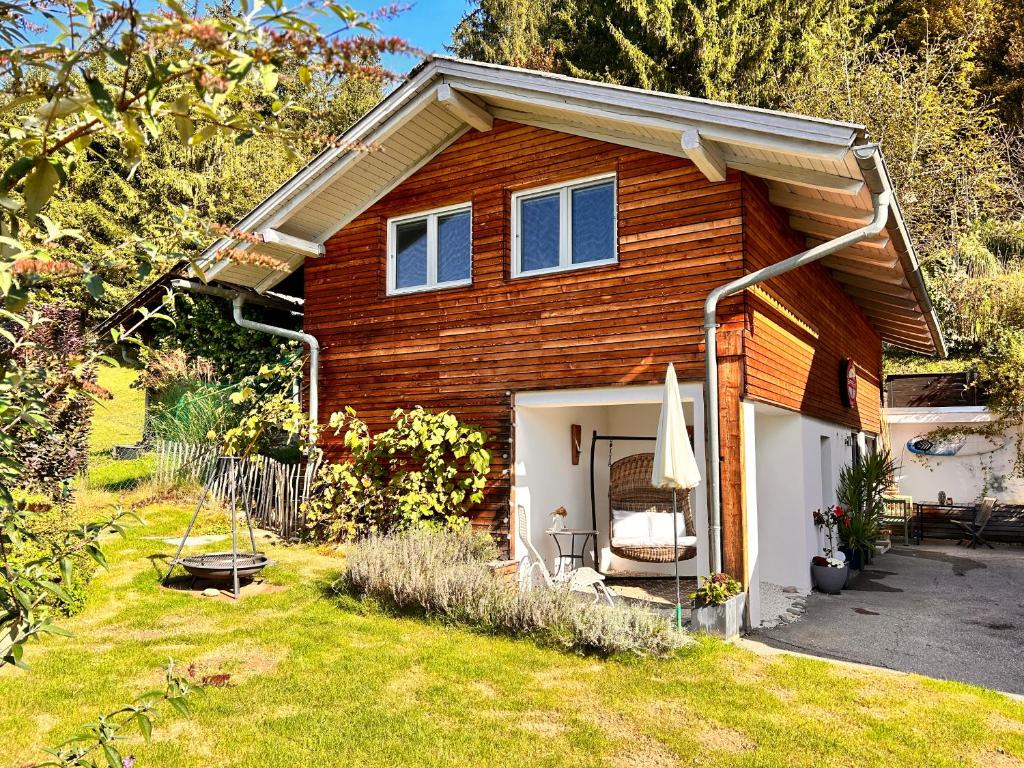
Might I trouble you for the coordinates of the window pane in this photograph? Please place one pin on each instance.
(538, 235)
(411, 254)
(453, 245)
(593, 223)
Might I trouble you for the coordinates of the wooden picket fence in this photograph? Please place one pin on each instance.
(270, 490)
(183, 462)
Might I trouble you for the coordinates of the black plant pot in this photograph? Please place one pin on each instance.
(830, 580)
(853, 558)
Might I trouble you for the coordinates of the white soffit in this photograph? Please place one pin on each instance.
(807, 163)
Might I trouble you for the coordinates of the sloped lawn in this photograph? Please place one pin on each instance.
(118, 421)
(317, 680)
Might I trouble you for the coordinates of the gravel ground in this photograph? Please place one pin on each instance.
(780, 605)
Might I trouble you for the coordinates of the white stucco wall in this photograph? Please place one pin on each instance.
(797, 463)
(982, 467)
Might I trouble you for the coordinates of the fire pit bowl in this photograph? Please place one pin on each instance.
(217, 565)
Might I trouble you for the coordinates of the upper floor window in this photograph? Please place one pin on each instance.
(430, 250)
(564, 226)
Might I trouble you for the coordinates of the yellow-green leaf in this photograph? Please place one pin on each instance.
(39, 186)
(269, 78)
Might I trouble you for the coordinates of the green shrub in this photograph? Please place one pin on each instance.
(427, 469)
(189, 414)
(716, 589)
(444, 574)
(860, 494)
(48, 528)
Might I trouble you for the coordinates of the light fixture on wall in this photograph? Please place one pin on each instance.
(576, 433)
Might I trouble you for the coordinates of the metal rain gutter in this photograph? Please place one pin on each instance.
(237, 303)
(868, 158)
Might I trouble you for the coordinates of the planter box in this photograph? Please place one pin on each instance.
(828, 579)
(724, 621)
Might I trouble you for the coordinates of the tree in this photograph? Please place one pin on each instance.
(735, 50)
(92, 87)
(512, 32)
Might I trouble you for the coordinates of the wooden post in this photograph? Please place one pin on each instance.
(730, 392)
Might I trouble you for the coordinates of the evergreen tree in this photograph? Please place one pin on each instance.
(731, 50)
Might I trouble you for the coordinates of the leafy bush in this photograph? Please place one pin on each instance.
(428, 469)
(716, 589)
(444, 574)
(45, 531)
(51, 351)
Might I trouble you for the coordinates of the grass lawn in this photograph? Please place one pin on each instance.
(118, 421)
(316, 680)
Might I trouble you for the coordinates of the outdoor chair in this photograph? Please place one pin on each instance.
(583, 579)
(896, 513)
(973, 530)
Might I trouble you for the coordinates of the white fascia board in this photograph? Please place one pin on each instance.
(686, 109)
(904, 246)
(595, 105)
(308, 176)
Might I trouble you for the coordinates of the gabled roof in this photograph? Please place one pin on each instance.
(808, 163)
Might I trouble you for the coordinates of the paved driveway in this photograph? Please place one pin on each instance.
(939, 610)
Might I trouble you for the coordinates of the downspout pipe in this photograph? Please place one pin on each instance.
(237, 303)
(869, 159)
(286, 333)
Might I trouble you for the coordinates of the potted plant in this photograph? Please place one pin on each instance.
(718, 606)
(861, 492)
(830, 572)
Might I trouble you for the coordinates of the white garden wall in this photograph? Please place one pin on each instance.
(982, 467)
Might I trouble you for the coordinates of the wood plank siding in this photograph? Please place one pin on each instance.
(467, 349)
(802, 325)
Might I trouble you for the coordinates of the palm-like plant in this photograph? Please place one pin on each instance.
(860, 493)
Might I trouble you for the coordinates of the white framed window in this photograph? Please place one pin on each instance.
(565, 226)
(430, 250)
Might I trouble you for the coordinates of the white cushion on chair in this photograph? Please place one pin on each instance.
(648, 529)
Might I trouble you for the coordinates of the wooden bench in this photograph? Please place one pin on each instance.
(1006, 524)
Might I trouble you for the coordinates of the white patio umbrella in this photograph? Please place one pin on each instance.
(674, 464)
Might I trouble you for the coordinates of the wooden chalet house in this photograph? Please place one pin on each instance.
(530, 250)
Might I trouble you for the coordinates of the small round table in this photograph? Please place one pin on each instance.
(571, 557)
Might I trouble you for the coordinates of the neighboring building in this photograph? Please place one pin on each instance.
(530, 251)
(963, 467)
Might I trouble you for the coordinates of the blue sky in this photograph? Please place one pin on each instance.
(428, 25)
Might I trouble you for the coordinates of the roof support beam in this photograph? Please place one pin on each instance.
(802, 177)
(830, 231)
(291, 243)
(819, 207)
(464, 108)
(705, 155)
(888, 276)
(897, 294)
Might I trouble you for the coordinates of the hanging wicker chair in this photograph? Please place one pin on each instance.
(630, 489)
